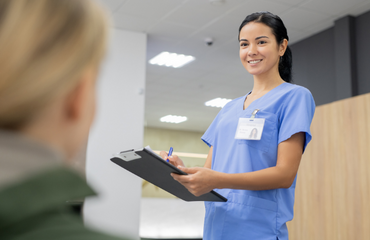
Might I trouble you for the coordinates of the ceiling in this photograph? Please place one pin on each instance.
(181, 26)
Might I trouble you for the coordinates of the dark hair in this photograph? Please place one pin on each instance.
(253, 135)
(278, 29)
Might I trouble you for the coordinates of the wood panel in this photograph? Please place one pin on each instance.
(333, 186)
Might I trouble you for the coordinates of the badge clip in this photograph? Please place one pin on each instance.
(254, 114)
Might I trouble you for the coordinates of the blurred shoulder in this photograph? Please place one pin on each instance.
(295, 89)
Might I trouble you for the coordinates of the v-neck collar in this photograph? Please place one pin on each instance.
(259, 99)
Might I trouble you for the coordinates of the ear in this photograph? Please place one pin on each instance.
(76, 99)
(282, 47)
(73, 101)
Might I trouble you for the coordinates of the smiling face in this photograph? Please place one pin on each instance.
(259, 51)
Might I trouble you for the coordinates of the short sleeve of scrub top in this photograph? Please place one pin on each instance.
(287, 109)
(296, 115)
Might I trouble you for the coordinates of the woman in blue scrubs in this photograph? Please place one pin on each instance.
(257, 176)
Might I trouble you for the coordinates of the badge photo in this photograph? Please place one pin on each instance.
(250, 129)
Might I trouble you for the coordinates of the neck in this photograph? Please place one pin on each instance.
(47, 128)
(41, 135)
(265, 83)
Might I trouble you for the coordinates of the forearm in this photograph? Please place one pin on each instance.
(202, 180)
(280, 176)
(265, 179)
(208, 163)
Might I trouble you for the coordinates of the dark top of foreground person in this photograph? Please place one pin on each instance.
(34, 195)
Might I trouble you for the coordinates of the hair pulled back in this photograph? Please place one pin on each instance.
(278, 29)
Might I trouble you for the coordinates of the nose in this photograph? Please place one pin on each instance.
(252, 51)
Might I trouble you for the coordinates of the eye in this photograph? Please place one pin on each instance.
(244, 44)
(262, 42)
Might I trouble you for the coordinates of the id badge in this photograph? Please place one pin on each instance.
(250, 128)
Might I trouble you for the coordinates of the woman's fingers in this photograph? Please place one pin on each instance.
(176, 161)
(163, 154)
(198, 182)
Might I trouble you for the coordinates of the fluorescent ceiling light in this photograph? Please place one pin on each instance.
(173, 119)
(217, 102)
(171, 59)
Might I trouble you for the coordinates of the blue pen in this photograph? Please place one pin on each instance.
(169, 153)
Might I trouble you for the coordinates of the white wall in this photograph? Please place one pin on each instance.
(158, 216)
(118, 126)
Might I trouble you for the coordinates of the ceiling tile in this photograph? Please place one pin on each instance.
(291, 2)
(149, 9)
(197, 41)
(216, 78)
(318, 27)
(159, 70)
(113, 5)
(301, 19)
(156, 45)
(171, 30)
(227, 25)
(229, 49)
(357, 9)
(230, 23)
(252, 6)
(200, 13)
(330, 7)
(235, 69)
(131, 23)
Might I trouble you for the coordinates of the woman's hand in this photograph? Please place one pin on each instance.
(199, 181)
(174, 159)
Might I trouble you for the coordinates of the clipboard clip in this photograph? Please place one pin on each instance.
(128, 155)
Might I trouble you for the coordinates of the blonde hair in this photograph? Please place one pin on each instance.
(45, 45)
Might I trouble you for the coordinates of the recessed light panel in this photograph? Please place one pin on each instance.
(217, 102)
(173, 119)
(171, 59)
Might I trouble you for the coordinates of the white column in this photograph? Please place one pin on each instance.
(118, 126)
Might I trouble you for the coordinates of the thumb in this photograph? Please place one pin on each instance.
(188, 170)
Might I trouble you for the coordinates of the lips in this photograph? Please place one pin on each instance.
(254, 61)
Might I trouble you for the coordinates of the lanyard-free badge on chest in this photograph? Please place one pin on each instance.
(250, 128)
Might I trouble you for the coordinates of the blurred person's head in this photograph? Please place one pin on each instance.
(50, 52)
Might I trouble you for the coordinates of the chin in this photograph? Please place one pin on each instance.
(252, 71)
(255, 73)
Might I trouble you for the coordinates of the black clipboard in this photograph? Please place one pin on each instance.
(155, 170)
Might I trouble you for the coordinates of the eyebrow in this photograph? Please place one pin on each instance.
(255, 39)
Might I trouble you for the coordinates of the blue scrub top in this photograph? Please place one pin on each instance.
(287, 109)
